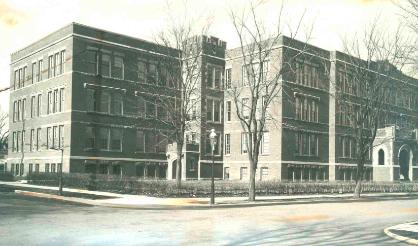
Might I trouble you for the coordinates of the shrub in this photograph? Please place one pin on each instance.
(6, 176)
(167, 188)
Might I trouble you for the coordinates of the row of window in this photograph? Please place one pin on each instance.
(307, 74)
(55, 139)
(104, 138)
(18, 169)
(104, 101)
(306, 108)
(105, 63)
(55, 104)
(264, 144)
(151, 142)
(56, 66)
(306, 144)
(244, 175)
(349, 148)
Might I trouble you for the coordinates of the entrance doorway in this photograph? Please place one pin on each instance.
(404, 164)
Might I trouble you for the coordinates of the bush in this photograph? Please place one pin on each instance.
(167, 188)
(6, 176)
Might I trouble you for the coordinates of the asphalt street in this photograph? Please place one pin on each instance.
(34, 221)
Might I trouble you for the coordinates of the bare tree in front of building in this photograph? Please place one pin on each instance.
(4, 131)
(409, 12)
(181, 70)
(262, 71)
(365, 86)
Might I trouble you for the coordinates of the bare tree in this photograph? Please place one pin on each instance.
(365, 86)
(181, 42)
(4, 131)
(263, 69)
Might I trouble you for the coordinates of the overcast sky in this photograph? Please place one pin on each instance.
(25, 21)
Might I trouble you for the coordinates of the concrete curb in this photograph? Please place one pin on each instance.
(398, 237)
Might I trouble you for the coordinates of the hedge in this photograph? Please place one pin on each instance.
(167, 188)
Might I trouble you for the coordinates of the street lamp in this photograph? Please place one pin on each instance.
(212, 137)
(60, 169)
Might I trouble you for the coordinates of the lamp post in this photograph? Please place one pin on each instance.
(212, 137)
(60, 170)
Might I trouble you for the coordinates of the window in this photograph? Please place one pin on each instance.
(61, 136)
(227, 144)
(61, 100)
(14, 142)
(25, 70)
(244, 142)
(152, 73)
(243, 173)
(55, 103)
(22, 167)
(150, 145)
(39, 105)
(228, 78)
(23, 110)
(91, 99)
(210, 76)
(32, 106)
(265, 144)
(381, 157)
(50, 66)
(38, 138)
(209, 110)
(33, 74)
(226, 173)
(306, 144)
(245, 108)
(90, 138)
(23, 141)
(116, 139)
(105, 102)
(91, 61)
(117, 104)
(30, 168)
(49, 138)
(218, 78)
(32, 140)
(141, 106)
(117, 68)
(53, 168)
(104, 138)
(140, 144)
(47, 167)
(15, 112)
(228, 111)
(62, 62)
(105, 65)
(40, 70)
(142, 71)
(56, 64)
(217, 111)
(50, 102)
(264, 172)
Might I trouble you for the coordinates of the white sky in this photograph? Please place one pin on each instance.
(25, 21)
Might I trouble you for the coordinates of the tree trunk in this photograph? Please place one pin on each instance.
(178, 167)
(251, 187)
(357, 190)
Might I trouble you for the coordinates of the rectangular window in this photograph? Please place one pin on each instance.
(117, 68)
(217, 111)
(53, 168)
(228, 110)
(91, 100)
(243, 173)
(36, 168)
(91, 61)
(209, 110)
(16, 79)
(14, 142)
(210, 76)
(265, 143)
(56, 64)
(264, 173)
(61, 136)
(117, 104)
(22, 169)
(39, 105)
(50, 102)
(218, 77)
(23, 110)
(40, 70)
(152, 73)
(50, 66)
(140, 141)
(105, 102)
(33, 74)
(245, 108)
(47, 167)
(61, 100)
(116, 139)
(23, 142)
(55, 107)
(142, 71)
(226, 173)
(49, 139)
(105, 65)
(227, 144)
(32, 106)
(15, 111)
(104, 138)
(228, 80)
(62, 62)
(90, 138)
(38, 139)
(24, 74)
(150, 142)
(32, 140)
(30, 168)
(244, 142)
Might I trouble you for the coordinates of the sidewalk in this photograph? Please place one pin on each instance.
(145, 202)
(407, 232)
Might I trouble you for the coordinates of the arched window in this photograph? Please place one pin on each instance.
(381, 157)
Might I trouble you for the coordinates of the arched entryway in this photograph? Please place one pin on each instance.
(404, 159)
